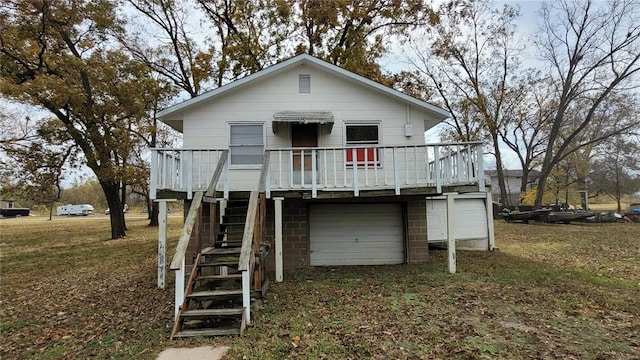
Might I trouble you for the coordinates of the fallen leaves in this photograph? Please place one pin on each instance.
(552, 291)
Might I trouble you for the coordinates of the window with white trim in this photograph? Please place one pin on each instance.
(367, 136)
(246, 145)
(304, 83)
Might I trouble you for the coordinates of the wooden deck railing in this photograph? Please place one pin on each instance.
(352, 169)
(192, 228)
(375, 167)
(186, 169)
(247, 253)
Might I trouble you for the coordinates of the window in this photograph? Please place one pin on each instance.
(246, 145)
(367, 135)
(304, 83)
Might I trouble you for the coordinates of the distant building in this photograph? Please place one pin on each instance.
(513, 181)
(6, 204)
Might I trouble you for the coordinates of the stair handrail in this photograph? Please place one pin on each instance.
(213, 184)
(192, 215)
(247, 238)
(266, 167)
(247, 255)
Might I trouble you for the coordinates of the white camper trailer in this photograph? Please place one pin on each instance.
(82, 209)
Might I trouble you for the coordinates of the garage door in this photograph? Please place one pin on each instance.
(356, 234)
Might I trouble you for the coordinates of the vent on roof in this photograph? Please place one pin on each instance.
(304, 83)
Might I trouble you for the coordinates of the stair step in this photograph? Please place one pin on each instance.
(213, 293)
(230, 243)
(209, 332)
(221, 251)
(219, 263)
(212, 312)
(238, 201)
(227, 224)
(221, 277)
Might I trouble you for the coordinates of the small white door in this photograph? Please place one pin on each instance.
(356, 234)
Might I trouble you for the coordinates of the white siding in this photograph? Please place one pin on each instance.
(356, 234)
(206, 125)
(471, 225)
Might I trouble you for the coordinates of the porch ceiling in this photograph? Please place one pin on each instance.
(302, 117)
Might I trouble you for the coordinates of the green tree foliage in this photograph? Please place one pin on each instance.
(59, 56)
(32, 162)
(85, 192)
(355, 34)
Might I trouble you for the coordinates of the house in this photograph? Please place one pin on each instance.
(305, 164)
(513, 183)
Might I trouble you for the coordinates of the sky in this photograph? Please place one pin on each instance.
(526, 24)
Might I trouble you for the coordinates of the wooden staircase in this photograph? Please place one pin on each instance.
(213, 299)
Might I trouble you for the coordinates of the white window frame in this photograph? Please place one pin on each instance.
(348, 146)
(300, 79)
(264, 143)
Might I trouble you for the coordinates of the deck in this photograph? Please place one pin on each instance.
(324, 170)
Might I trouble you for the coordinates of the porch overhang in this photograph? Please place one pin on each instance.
(282, 118)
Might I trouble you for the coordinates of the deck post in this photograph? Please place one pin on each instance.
(451, 229)
(246, 296)
(162, 241)
(489, 205)
(314, 185)
(179, 297)
(356, 185)
(153, 174)
(278, 237)
(436, 164)
(480, 171)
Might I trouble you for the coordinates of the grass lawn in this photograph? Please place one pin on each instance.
(551, 291)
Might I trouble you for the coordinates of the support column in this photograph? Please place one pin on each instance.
(451, 232)
(162, 240)
(489, 205)
(179, 296)
(278, 237)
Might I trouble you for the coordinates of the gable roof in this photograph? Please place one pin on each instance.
(173, 115)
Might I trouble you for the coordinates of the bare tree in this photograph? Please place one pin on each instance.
(470, 58)
(526, 127)
(166, 43)
(615, 170)
(592, 51)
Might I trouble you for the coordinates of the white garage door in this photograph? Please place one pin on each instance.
(356, 234)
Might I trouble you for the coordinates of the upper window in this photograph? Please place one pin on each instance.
(246, 145)
(304, 83)
(363, 135)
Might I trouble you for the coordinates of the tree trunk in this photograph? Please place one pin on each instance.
(116, 213)
(51, 211)
(153, 207)
(524, 181)
(153, 213)
(123, 201)
(542, 183)
(506, 201)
